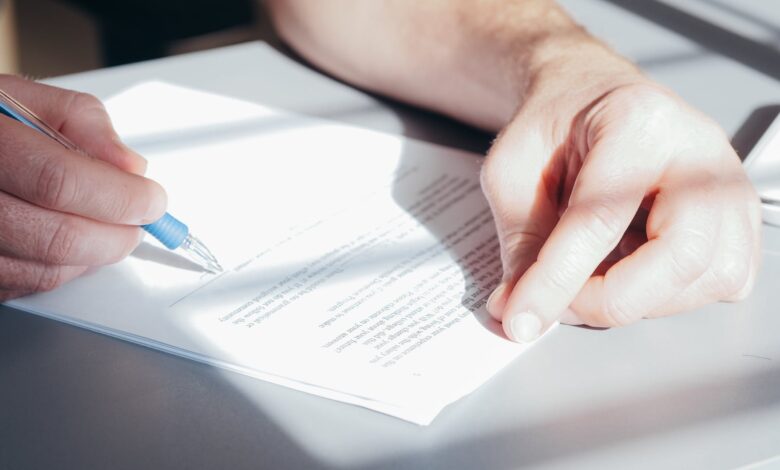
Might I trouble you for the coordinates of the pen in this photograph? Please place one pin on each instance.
(170, 231)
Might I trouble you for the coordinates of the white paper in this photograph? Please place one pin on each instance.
(357, 263)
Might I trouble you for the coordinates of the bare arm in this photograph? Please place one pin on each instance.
(613, 199)
(471, 60)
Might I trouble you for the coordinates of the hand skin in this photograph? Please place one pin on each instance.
(613, 199)
(61, 211)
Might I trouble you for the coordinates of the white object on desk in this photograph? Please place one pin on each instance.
(357, 263)
(763, 168)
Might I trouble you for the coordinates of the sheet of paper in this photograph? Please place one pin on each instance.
(357, 263)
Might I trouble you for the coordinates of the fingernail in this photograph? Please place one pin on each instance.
(570, 318)
(151, 215)
(525, 327)
(491, 302)
(156, 208)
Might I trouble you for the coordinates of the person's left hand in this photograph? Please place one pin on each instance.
(616, 202)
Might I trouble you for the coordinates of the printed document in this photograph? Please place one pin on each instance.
(357, 264)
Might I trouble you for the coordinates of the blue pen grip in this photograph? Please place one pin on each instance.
(169, 230)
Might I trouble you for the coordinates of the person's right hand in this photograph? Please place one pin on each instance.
(61, 211)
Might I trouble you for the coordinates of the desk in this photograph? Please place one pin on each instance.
(700, 390)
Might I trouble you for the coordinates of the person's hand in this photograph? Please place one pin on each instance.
(615, 201)
(61, 211)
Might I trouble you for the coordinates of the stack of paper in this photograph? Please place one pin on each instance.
(357, 263)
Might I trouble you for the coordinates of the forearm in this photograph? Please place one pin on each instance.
(474, 60)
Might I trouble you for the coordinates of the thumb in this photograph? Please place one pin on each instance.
(514, 183)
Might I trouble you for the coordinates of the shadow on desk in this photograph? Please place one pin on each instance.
(602, 427)
(759, 56)
(195, 416)
(131, 407)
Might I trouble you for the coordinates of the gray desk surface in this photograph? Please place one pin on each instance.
(700, 390)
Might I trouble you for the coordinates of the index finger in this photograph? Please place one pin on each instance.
(79, 116)
(607, 193)
(46, 174)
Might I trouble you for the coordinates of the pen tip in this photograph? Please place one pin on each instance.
(201, 255)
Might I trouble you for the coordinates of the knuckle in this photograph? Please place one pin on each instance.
(518, 250)
(645, 104)
(61, 244)
(735, 276)
(601, 223)
(519, 243)
(54, 187)
(690, 256)
(653, 115)
(615, 312)
(730, 279)
(743, 292)
(84, 101)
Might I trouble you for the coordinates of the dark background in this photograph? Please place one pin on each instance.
(45, 38)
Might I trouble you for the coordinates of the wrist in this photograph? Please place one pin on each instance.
(573, 69)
